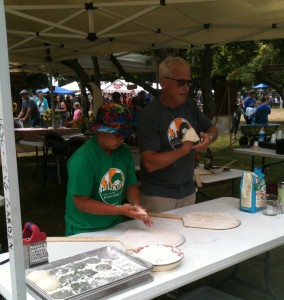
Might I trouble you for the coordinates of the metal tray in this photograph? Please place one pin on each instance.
(96, 274)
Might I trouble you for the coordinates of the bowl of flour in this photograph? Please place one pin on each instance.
(162, 257)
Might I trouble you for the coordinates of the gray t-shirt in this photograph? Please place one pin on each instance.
(34, 109)
(161, 129)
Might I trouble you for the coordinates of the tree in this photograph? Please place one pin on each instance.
(252, 62)
(86, 81)
(201, 61)
(245, 62)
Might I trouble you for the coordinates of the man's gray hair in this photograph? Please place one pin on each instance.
(167, 65)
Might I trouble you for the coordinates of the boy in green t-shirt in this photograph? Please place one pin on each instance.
(101, 175)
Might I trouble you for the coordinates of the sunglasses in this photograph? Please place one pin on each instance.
(180, 82)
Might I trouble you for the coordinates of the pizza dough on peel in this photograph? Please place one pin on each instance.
(133, 239)
(208, 220)
(190, 135)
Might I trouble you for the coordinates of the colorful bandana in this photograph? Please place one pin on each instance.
(113, 118)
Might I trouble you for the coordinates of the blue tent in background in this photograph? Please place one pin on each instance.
(58, 90)
(261, 86)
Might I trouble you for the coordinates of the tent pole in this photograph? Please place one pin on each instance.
(51, 94)
(229, 113)
(10, 173)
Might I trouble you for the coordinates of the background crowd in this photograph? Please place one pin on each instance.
(34, 110)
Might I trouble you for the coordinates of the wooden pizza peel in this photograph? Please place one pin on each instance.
(197, 173)
(131, 239)
(205, 220)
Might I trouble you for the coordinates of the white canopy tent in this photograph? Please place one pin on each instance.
(63, 29)
(73, 86)
(59, 30)
(121, 86)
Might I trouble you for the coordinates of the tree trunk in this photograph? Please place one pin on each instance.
(132, 79)
(86, 81)
(207, 95)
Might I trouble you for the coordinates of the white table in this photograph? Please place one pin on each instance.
(38, 142)
(261, 152)
(224, 176)
(31, 133)
(205, 251)
(207, 180)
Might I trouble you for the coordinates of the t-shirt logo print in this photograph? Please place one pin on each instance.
(112, 185)
(176, 131)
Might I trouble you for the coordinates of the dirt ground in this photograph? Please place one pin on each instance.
(277, 115)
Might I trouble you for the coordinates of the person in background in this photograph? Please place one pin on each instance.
(60, 110)
(29, 110)
(69, 107)
(262, 112)
(249, 106)
(42, 105)
(77, 117)
(101, 176)
(167, 163)
(73, 100)
(236, 120)
(116, 98)
(142, 99)
(14, 107)
(77, 112)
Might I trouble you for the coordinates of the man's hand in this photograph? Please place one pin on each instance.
(205, 141)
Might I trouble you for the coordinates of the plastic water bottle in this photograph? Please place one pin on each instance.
(261, 135)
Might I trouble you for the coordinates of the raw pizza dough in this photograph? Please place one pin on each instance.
(208, 220)
(141, 211)
(133, 239)
(190, 135)
(37, 275)
(48, 284)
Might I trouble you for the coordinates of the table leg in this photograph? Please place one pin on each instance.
(205, 197)
(233, 186)
(252, 163)
(262, 162)
(37, 162)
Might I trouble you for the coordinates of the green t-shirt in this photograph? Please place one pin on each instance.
(102, 177)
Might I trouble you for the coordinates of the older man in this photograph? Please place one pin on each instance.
(29, 110)
(167, 164)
